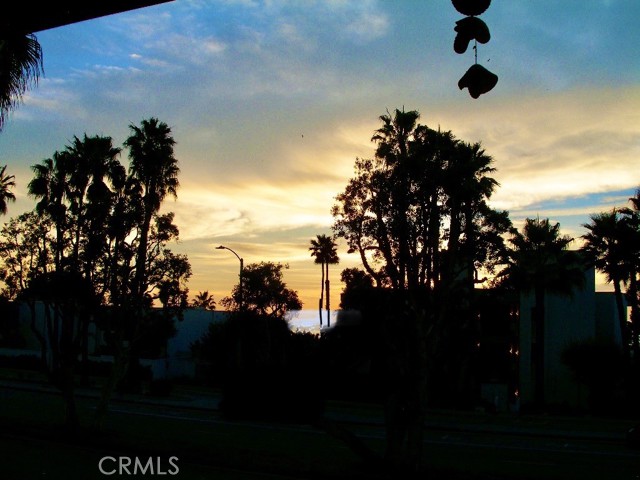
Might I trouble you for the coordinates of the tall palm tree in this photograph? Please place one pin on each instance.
(95, 165)
(606, 245)
(394, 141)
(324, 249)
(155, 167)
(20, 67)
(467, 186)
(7, 182)
(540, 262)
(631, 217)
(50, 185)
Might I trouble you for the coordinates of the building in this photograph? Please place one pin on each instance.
(585, 315)
(176, 361)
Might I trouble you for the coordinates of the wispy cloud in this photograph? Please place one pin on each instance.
(557, 145)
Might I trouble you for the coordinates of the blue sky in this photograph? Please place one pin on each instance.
(271, 101)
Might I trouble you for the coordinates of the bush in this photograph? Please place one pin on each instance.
(264, 369)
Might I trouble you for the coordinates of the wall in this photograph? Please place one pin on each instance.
(582, 316)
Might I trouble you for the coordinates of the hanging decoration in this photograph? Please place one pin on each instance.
(478, 80)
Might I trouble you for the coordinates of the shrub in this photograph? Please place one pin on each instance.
(599, 365)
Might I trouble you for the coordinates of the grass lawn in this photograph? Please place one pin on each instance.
(33, 445)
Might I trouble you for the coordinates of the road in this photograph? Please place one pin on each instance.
(210, 447)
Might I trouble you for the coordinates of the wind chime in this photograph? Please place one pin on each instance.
(477, 79)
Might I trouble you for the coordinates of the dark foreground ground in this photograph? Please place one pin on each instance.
(188, 427)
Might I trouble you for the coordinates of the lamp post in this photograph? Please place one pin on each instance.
(222, 247)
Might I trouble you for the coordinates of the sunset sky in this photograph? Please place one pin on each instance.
(270, 102)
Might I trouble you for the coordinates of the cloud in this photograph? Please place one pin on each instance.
(553, 146)
(368, 26)
(188, 49)
(51, 100)
(250, 209)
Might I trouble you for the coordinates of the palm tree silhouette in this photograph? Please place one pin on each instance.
(20, 67)
(50, 185)
(632, 220)
(94, 162)
(204, 300)
(7, 182)
(324, 249)
(155, 168)
(541, 262)
(468, 187)
(608, 244)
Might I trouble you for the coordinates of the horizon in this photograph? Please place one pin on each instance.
(270, 103)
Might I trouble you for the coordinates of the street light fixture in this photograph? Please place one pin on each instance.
(240, 291)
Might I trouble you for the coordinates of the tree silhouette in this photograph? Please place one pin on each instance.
(608, 245)
(324, 249)
(7, 182)
(204, 300)
(95, 166)
(154, 166)
(20, 67)
(540, 262)
(631, 217)
(73, 188)
(417, 215)
(50, 186)
(357, 283)
(264, 291)
(110, 238)
(25, 252)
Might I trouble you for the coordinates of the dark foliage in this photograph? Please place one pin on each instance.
(599, 365)
(265, 370)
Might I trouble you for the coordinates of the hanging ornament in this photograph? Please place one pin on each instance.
(471, 7)
(477, 79)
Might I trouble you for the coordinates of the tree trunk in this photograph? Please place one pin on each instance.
(84, 364)
(322, 286)
(68, 395)
(406, 403)
(327, 288)
(538, 351)
(68, 360)
(118, 371)
(141, 258)
(622, 317)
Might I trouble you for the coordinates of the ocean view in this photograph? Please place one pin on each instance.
(307, 320)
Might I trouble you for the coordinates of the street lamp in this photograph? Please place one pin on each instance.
(240, 292)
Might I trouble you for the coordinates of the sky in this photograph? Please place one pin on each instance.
(270, 102)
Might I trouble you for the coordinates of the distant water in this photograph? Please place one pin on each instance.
(309, 321)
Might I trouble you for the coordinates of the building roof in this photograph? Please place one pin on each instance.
(31, 18)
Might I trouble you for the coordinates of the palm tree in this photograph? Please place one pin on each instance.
(204, 300)
(50, 185)
(20, 67)
(94, 162)
(324, 249)
(631, 217)
(607, 247)
(7, 182)
(154, 166)
(540, 262)
(394, 140)
(467, 186)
